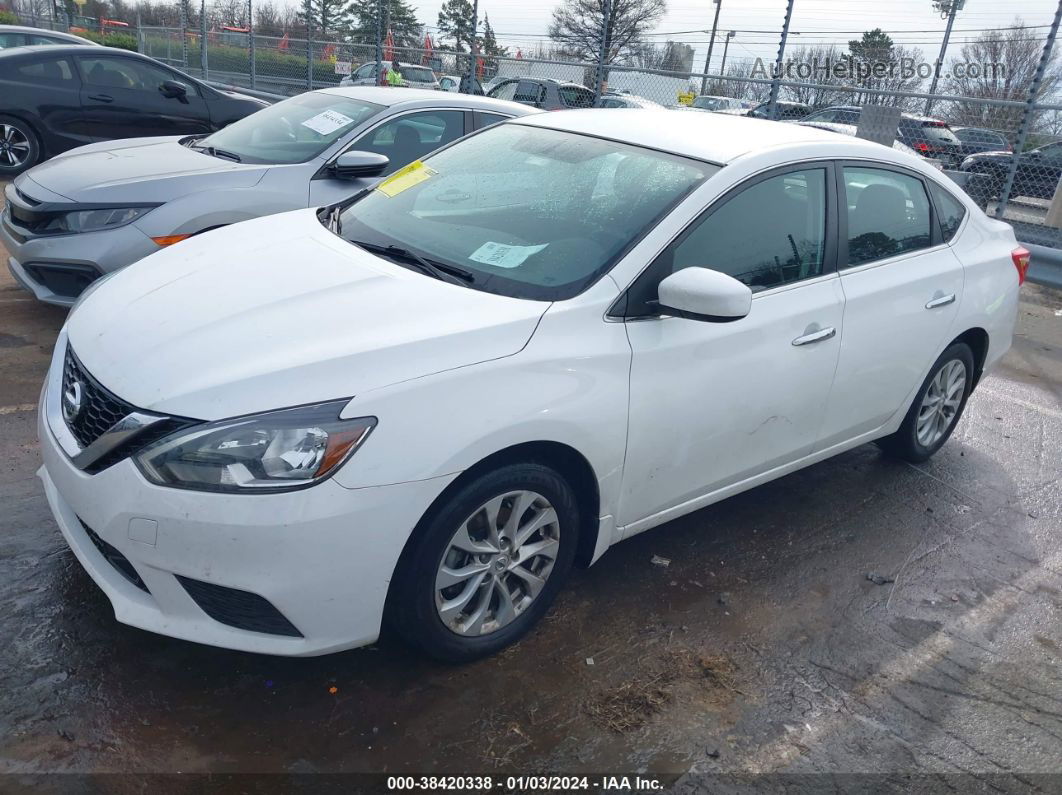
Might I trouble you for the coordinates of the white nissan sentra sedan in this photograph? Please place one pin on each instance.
(427, 404)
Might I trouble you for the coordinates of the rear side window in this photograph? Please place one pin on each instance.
(506, 90)
(482, 119)
(11, 40)
(735, 240)
(46, 70)
(575, 97)
(888, 214)
(418, 74)
(949, 210)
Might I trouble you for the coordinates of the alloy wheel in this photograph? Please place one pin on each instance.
(14, 146)
(941, 403)
(497, 563)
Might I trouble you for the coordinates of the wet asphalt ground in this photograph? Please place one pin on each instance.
(762, 647)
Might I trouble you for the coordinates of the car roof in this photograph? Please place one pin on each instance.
(715, 137)
(390, 96)
(71, 49)
(62, 34)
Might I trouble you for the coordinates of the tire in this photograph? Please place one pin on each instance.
(417, 603)
(20, 148)
(916, 440)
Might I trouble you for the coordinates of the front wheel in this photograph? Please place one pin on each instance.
(936, 408)
(488, 564)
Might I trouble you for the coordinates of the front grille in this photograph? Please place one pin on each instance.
(240, 609)
(64, 279)
(100, 409)
(119, 561)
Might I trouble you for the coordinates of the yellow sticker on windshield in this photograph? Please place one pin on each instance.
(405, 178)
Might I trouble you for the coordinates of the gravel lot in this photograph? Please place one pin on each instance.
(762, 648)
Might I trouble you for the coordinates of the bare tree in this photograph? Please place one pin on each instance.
(816, 87)
(578, 27)
(1000, 64)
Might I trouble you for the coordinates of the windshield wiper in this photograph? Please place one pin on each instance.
(213, 151)
(447, 273)
(335, 223)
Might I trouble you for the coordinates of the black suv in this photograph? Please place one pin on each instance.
(544, 92)
(59, 97)
(1038, 173)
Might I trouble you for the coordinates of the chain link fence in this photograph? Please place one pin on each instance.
(999, 150)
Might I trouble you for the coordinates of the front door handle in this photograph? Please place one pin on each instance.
(942, 300)
(101, 97)
(816, 336)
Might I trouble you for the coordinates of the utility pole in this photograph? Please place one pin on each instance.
(726, 46)
(379, 41)
(472, 48)
(309, 45)
(711, 43)
(250, 42)
(602, 56)
(772, 107)
(954, 6)
(184, 33)
(203, 62)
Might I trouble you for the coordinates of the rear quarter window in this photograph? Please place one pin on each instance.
(45, 70)
(574, 97)
(950, 211)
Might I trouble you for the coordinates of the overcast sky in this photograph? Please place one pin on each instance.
(519, 23)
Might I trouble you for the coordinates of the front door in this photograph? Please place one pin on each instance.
(713, 404)
(120, 98)
(902, 289)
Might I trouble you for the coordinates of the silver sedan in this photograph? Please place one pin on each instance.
(101, 207)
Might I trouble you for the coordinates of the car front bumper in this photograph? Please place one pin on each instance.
(55, 268)
(321, 557)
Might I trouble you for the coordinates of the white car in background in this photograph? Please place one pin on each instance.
(429, 403)
(852, 129)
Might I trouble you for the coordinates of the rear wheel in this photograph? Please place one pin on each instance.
(936, 408)
(19, 147)
(488, 564)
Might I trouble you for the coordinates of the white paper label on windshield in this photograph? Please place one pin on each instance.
(504, 256)
(327, 122)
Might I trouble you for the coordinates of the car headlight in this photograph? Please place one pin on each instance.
(277, 451)
(95, 220)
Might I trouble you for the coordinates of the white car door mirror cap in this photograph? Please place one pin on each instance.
(705, 294)
(351, 165)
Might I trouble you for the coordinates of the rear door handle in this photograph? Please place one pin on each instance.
(101, 97)
(943, 300)
(816, 336)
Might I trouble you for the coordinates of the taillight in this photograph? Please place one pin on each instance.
(1020, 255)
(921, 146)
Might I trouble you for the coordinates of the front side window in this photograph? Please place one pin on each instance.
(406, 138)
(888, 214)
(523, 211)
(12, 40)
(575, 97)
(506, 90)
(127, 73)
(293, 131)
(529, 93)
(949, 210)
(367, 71)
(770, 234)
(417, 74)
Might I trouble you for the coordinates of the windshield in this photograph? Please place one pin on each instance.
(937, 131)
(710, 103)
(292, 131)
(526, 212)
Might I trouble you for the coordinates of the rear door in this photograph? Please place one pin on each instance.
(902, 286)
(49, 86)
(120, 98)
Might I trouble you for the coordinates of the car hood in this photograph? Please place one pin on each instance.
(140, 170)
(279, 312)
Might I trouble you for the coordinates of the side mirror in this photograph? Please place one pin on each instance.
(351, 165)
(704, 294)
(171, 89)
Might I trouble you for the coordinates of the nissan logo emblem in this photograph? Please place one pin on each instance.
(72, 397)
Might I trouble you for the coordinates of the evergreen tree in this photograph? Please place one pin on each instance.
(359, 21)
(325, 15)
(455, 22)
